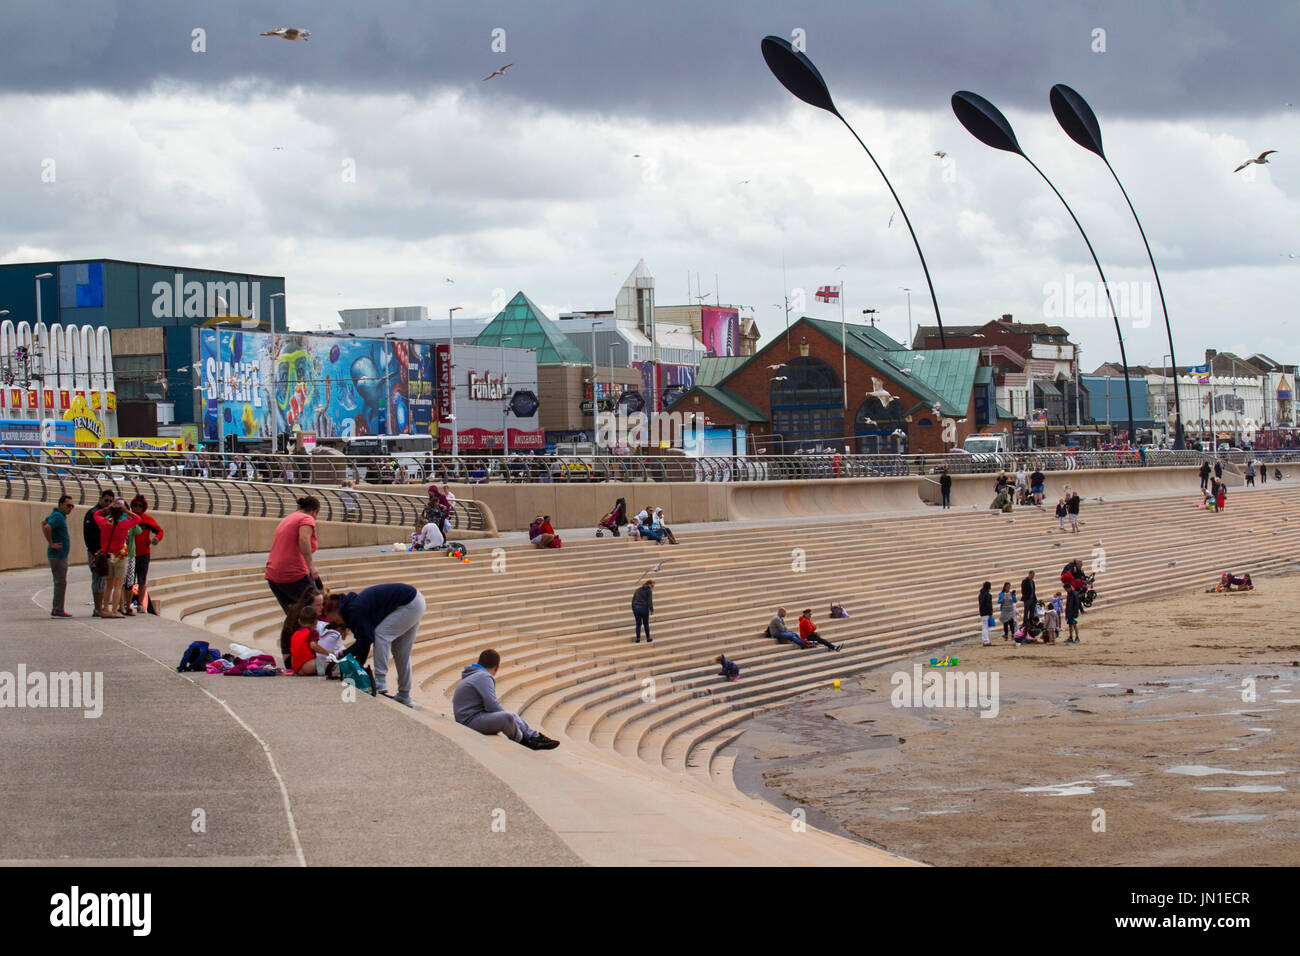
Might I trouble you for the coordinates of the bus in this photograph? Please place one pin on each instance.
(413, 455)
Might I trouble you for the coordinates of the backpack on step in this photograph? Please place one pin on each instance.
(838, 612)
(359, 677)
(196, 657)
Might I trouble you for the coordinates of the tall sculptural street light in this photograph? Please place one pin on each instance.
(798, 75)
(451, 360)
(41, 355)
(1080, 124)
(986, 123)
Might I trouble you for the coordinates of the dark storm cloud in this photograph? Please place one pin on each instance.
(686, 60)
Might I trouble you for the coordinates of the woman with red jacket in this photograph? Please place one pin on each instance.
(112, 541)
(150, 534)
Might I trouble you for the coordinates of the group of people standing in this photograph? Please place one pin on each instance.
(119, 540)
(1064, 607)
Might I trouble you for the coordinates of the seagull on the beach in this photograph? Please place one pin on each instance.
(500, 72)
(287, 33)
(1099, 542)
(1172, 563)
(1261, 159)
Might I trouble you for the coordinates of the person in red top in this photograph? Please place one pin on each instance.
(808, 631)
(150, 534)
(545, 529)
(112, 540)
(290, 569)
(303, 646)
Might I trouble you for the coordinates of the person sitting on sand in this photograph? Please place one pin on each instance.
(1230, 582)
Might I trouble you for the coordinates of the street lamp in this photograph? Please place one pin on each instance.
(505, 411)
(275, 405)
(1080, 124)
(909, 316)
(221, 398)
(986, 123)
(451, 337)
(40, 356)
(1164, 395)
(798, 75)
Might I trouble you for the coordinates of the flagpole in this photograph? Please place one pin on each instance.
(785, 299)
(844, 351)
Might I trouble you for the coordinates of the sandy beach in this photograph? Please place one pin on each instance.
(1167, 737)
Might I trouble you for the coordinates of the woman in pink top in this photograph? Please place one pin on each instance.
(112, 540)
(289, 568)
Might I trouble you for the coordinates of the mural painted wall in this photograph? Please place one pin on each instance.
(669, 384)
(335, 387)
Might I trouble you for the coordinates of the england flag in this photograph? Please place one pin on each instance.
(828, 293)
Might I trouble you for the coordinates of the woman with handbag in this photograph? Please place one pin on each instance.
(113, 529)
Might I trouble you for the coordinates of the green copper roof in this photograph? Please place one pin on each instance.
(714, 370)
(527, 327)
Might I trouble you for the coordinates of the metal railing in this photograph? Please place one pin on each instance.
(37, 481)
(324, 470)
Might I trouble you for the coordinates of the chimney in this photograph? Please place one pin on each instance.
(1209, 357)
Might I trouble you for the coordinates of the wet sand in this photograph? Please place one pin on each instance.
(1146, 728)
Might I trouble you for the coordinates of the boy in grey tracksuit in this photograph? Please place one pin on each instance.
(475, 705)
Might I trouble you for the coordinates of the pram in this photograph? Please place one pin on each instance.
(613, 520)
(1024, 496)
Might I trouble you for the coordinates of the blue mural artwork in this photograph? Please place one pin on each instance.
(335, 389)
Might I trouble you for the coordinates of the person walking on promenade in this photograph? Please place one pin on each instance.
(1028, 599)
(1062, 509)
(1072, 508)
(1263, 472)
(643, 605)
(1205, 475)
(92, 538)
(290, 569)
(986, 612)
(151, 533)
(57, 546)
(474, 704)
(1037, 484)
(1218, 469)
(387, 617)
(945, 488)
(1007, 610)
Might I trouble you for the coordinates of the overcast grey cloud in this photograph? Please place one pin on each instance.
(627, 132)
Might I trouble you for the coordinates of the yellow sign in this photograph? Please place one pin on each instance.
(148, 444)
(89, 431)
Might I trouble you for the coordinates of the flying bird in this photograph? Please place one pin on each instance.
(899, 433)
(840, 266)
(978, 335)
(906, 371)
(918, 358)
(1289, 255)
(500, 72)
(891, 220)
(742, 182)
(940, 153)
(776, 366)
(879, 391)
(277, 147)
(287, 33)
(961, 421)
(1261, 159)
(452, 281)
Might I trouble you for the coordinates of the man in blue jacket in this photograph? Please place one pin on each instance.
(475, 705)
(386, 616)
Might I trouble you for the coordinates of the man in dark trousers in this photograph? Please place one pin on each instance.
(1072, 510)
(90, 534)
(643, 605)
(1205, 475)
(1218, 469)
(945, 488)
(1028, 599)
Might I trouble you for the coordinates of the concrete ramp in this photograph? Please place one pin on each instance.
(832, 496)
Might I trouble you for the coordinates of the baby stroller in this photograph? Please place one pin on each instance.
(615, 519)
(1024, 496)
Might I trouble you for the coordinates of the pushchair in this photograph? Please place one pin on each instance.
(613, 520)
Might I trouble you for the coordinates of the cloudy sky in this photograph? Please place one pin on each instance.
(371, 163)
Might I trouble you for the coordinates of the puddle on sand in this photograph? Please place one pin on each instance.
(937, 813)
(1196, 770)
(1232, 818)
(1288, 700)
(1262, 730)
(1196, 690)
(1105, 685)
(1249, 788)
(1076, 788)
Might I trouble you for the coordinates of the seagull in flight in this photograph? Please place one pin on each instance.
(287, 33)
(1261, 159)
(500, 72)
(840, 266)
(978, 335)
(891, 220)
(742, 182)
(776, 366)
(452, 281)
(878, 391)
(940, 153)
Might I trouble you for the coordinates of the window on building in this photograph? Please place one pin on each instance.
(807, 406)
(876, 428)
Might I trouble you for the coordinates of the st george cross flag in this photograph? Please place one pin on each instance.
(828, 293)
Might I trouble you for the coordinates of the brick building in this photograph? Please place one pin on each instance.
(791, 393)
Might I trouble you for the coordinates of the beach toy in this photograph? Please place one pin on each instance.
(383, 550)
(464, 560)
(837, 685)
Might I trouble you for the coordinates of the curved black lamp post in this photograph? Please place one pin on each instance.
(1080, 124)
(986, 123)
(798, 75)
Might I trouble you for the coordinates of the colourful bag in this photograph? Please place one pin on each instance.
(359, 677)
